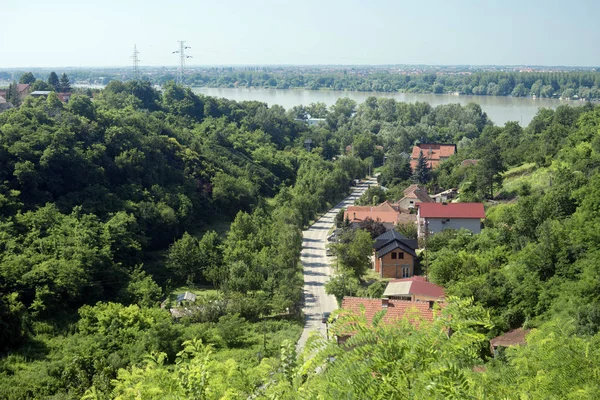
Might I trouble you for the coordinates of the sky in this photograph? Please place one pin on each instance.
(85, 33)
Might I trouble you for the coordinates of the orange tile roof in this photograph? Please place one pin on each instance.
(396, 309)
(433, 152)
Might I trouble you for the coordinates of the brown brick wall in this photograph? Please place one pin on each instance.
(392, 268)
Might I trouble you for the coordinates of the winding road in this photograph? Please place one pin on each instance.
(316, 266)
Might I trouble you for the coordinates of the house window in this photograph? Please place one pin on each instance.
(394, 256)
(401, 256)
(406, 272)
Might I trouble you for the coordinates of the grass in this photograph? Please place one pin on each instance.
(537, 178)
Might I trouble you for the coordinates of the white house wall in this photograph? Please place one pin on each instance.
(472, 224)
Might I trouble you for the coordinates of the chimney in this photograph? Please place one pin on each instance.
(385, 302)
(354, 216)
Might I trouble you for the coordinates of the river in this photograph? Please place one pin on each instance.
(499, 109)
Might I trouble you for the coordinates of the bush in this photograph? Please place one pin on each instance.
(232, 329)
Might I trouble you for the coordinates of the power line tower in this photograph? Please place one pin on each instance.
(182, 58)
(136, 63)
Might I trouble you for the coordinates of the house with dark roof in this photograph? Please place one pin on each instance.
(516, 337)
(394, 255)
(434, 153)
(436, 217)
(387, 213)
(412, 195)
(415, 288)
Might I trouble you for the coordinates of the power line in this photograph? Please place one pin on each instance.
(136, 63)
(182, 58)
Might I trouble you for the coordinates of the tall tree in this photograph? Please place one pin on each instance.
(489, 170)
(27, 78)
(65, 84)
(53, 81)
(421, 173)
(12, 94)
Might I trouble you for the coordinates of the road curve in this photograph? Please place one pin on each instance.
(316, 267)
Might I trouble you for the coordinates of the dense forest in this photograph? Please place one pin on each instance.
(582, 85)
(108, 206)
(557, 84)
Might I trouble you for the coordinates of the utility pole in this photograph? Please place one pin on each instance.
(136, 63)
(182, 58)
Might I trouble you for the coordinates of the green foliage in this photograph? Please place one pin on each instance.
(64, 83)
(354, 251)
(421, 174)
(408, 229)
(53, 81)
(373, 196)
(27, 78)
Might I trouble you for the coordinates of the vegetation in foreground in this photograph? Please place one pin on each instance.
(96, 199)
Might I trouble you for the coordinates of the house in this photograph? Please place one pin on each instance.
(396, 310)
(516, 337)
(412, 195)
(62, 96)
(434, 153)
(187, 296)
(415, 288)
(2, 100)
(23, 90)
(387, 213)
(435, 217)
(40, 93)
(445, 196)
(315, 121)
(394, 255)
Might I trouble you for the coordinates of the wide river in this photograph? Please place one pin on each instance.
(499, 109)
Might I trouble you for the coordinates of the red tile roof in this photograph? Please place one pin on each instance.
(451, 210)
(433, 152)
(469, 161)
(512, 338)
(21, 87)
(385, 212)
(420, 286)
(396, 309)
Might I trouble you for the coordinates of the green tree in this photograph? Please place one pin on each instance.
(12, 94)
(54, 81)
(27, 78)
(212, 258)
(489, 169)
(185, 259)
(64, 83)
(354, 251)
(421, 173)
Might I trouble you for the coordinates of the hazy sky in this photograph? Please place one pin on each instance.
(45, 33)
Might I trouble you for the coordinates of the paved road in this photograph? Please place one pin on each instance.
(316, 267)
